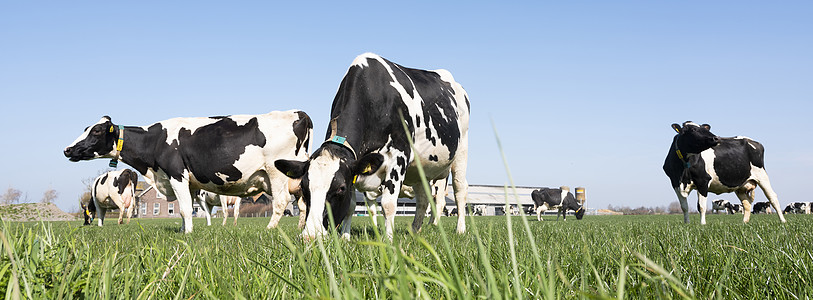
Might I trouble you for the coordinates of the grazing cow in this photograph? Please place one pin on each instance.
(453, 212)
(114, 190)
(561, 198)
(209, 200)
(698, 159)
(367, 146)
(231, 155)
(763, 208)
(88, 211)
(718, 205)
(479, 210)
(798, 208)
(732, 208)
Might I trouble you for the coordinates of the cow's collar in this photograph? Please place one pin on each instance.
(339, 139)
(684, 159)
(119, 145)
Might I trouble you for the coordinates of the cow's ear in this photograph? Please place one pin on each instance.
(368, 164)
(706, 126)
(292, 168)
(676, 127)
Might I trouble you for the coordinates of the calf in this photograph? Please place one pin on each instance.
(763, 208)
(698, 159)
(798, 208)
(231, 155)
(114, 190)
(367, 145)
(561, 198)
(209, 200)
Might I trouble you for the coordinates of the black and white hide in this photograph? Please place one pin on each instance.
(366, 146)
(798, 208)
(700, 160)
(114, 190)
(209, 200)
(232, 155)
(561, 199)
(763, 208)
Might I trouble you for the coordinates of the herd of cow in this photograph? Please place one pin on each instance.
(388, 124)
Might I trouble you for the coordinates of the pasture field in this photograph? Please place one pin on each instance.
(597, 257)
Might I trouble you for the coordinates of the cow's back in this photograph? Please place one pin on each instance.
(733, 159)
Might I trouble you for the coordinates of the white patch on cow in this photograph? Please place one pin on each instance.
(320, 175)
(174, 126)
(691, 124)
(361, 60)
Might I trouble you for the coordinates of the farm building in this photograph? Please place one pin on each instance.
(489, 199)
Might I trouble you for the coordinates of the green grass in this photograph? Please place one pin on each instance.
(597, 257)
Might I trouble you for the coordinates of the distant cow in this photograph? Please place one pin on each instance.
(437, 188)
(732, 208)
(209, 200)
(763, 208)
(718, 205)
(114, 190)
(367, 146)
(561, 198)
(479, 210)
(232, 155)
(698, 159)
(798, 207)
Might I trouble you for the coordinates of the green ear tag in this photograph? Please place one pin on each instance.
(113, 163)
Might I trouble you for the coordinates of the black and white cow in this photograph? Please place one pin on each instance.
(698, 159)
(798, 208)
(561, 198)
(732, 208)
(114, 190)
(209, 200)
(88, 211)
(367, 146)
(719, 204)
(763, 208)
(231, 155)
(438, 190)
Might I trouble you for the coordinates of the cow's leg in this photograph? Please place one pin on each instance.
(765, 185)
(389, 204)
(371, 206)
(280, 197)
(100, 212)
(421, 204)
(207, 210)
(702, 206)
(460, 184)
(224, 205)
(440, 200)
(236, 211)
(539, 210)
(745, 199)
(348, 218)
(303, 210)
(684, 204)
(184, 196)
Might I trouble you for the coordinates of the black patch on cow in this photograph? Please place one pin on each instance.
(402, 78)
(301, 128)
(389, 186)
(394, 174)
(401, 162)
(214, 148)
(104, 178)
(126, 178)
(433, 157)
(417, 121)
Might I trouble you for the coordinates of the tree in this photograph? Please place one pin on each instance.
(674, 208)
(49, 196)
(11, 196)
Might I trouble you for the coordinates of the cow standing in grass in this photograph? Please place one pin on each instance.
(209, 200)
(798, 208)
(698, 159)
(113, 190)
(367, 147)
(232, 155)
(561, 198)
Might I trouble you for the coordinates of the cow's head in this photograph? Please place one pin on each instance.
(97, 141)
(693, 138)
(579, 212)
(328, 177)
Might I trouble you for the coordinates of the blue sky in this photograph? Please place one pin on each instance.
(582, 93)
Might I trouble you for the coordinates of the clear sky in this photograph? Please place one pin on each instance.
(582, 93)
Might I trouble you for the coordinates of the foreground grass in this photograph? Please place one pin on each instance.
(597, 257)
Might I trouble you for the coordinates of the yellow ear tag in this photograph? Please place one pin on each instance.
(680, 155)
(354, 179)
(111, 128)
(289, 174)
(367, 169)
